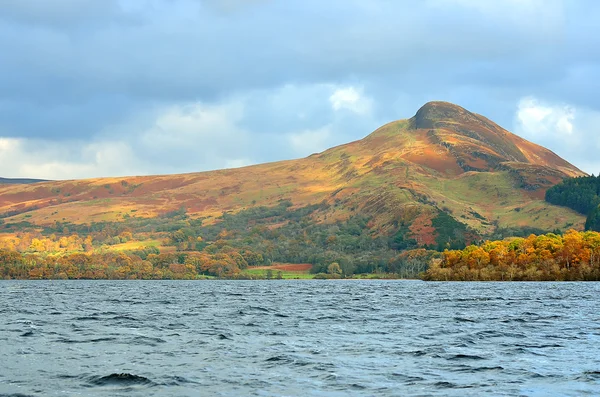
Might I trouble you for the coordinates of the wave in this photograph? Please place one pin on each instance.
(122, 379)
(466, 357)
(15, 395)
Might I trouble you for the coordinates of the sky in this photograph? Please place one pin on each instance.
(92, 88)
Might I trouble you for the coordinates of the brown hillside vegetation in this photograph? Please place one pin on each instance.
(444, 159)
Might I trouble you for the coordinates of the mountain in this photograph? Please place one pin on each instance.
(19, 181)
(443, 171)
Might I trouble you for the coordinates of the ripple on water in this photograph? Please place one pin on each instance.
(371, 338)
(16, 395)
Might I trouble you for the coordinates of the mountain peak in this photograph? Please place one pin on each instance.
(435, 111)
(478, 143)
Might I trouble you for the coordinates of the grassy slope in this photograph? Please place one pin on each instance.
(396, 172)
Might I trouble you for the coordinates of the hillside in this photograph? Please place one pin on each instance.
(443, 169)
(19, 181)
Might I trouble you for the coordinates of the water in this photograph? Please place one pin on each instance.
(309, 338)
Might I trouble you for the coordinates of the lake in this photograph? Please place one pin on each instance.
(296, 337)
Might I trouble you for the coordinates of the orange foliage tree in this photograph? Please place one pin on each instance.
(572, 256)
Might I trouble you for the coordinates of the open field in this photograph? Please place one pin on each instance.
(285, 270)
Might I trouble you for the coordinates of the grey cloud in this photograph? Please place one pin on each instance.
(176, 55)
(75, 69)
(63, 121)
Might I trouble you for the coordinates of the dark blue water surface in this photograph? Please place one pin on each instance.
(298, 338)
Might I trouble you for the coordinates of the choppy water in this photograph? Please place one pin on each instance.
(309, 338)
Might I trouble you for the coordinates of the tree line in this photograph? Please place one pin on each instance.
(581, 194)
(225, 247)
(226, 263)
(573, 256)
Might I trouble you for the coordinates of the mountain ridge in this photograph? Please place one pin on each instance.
(443, 159)
(20, 181)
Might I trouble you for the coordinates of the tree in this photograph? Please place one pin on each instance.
(593, 220)
(334, 269)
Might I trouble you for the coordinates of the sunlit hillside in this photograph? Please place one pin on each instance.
(445, 159)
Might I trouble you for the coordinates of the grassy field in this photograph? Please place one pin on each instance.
(134, 245)
(283, 271)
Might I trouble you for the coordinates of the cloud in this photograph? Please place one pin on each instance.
(200, 135)
(192, 123)
(49, 160)
(569, 131)
(196, 136)
(350, 98)
(541, 120)
(310, 141)
(237, 80)
(175, 51)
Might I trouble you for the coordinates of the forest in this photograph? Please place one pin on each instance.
(573, 256)
(581, 194)
(175, 246)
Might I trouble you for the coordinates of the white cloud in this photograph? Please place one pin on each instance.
(189, 124)
(310, 141)
(8, 145)
(67, 160)
(176, 138)
(237, 163)
(351, 99)
(570, 132)
(198, 136)
(538, 119)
